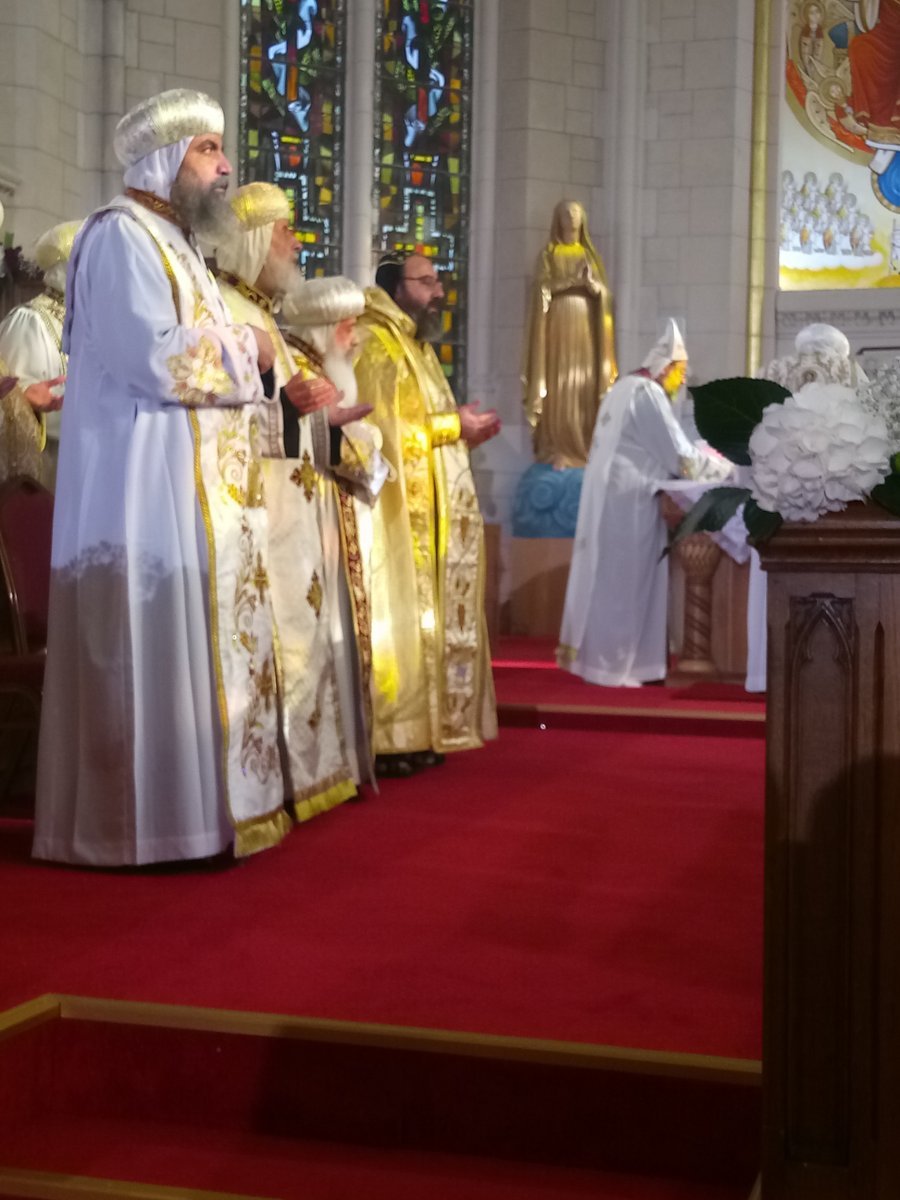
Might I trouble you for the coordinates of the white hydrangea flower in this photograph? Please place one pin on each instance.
(816, 452)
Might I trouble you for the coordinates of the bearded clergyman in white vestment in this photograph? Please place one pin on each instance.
(320, 320)
(257, 265)
(159, 728)
(614, 620)
(31, 348)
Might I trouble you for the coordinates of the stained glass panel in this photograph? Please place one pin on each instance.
(292, 116)
(423, 81)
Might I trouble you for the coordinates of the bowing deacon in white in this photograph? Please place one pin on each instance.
(159, 734)
(614, 621)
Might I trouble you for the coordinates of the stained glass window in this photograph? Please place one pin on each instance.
(292, 117)
(423, 81)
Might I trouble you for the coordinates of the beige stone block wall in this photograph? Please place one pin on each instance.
(75, 67)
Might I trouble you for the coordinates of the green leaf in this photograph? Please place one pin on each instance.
(761, 523)
(711, 512)
(887, 494)
(728, 410)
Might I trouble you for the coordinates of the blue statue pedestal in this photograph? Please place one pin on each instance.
(546, 504)
(545, 514)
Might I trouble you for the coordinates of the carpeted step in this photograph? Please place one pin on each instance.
(254, 1105)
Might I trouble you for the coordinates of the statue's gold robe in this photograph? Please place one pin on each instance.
(431, 659)
(570, 359)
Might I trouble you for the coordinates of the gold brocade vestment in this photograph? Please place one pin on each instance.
(431, 660)
(318, 769)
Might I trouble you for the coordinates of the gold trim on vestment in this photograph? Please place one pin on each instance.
(39, 306)
(203, 501)
(444, 428)
(59, 313)
(156, 204)
(260, 833)
(359, 598)
(308, 351)
(247, 290)
(329, 794)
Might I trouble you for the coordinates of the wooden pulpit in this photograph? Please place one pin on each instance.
(831, 1043)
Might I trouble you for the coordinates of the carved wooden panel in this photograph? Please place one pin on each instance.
(831, 1059)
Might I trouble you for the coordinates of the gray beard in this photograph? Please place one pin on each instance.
(286, 276)
(205, 212)
(429, 326)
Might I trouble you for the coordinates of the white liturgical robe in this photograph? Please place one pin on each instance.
(159, 731)
(614, 621)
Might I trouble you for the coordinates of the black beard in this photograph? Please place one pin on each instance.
(204, 211)
(429, 326)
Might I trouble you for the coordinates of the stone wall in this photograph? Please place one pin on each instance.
(73, 67)
(550, 127)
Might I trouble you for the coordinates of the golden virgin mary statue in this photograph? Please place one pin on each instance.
(570, 356)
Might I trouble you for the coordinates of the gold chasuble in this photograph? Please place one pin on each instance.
(318, 768)
(431, 660)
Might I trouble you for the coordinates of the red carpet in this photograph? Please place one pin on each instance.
(574, 886)
(525, 673)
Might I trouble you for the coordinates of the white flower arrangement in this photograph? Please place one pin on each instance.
(805, 454)
(816, 452)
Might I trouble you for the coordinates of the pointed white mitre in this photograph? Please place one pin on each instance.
(670, 348)
(164, 120)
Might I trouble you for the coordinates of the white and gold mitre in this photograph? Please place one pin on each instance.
(670, 348)
(55, 246)
(323, 302)
(258, 204)
(164, 120)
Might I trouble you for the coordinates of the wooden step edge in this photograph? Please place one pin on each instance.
(588, 1056)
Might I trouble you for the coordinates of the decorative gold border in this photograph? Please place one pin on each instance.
(759, 172)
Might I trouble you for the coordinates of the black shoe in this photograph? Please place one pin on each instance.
(394, 766)
(427, 758)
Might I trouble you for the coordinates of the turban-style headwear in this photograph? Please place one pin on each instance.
(670, 348)
(323, 302)
(257, 207)
(52, 251)
(152, 139)
(822, 339)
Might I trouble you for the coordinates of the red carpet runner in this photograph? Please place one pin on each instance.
(567, 885)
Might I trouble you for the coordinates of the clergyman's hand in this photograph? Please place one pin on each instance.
(477, 427)
(308, 395)
(7, 383)
(339, 416)
(265, 349)
(46, 396)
